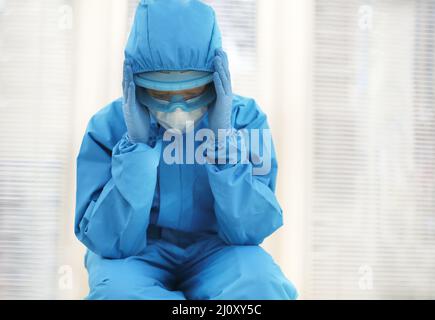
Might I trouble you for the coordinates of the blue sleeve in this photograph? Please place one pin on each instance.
(246, 207)
(115, 190)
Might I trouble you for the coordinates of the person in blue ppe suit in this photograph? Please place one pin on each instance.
(175, 231)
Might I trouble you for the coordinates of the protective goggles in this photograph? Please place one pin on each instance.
(177, 101)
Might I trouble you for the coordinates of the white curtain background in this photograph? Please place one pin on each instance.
(348, 86)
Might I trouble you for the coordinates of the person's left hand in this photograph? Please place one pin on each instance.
(220, 113)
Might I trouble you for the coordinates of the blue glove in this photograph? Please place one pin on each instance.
(137, 118)
(220, 114)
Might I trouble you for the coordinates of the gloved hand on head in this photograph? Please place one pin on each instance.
(220, 113)
(137, 117)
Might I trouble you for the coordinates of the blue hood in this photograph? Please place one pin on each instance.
(173, 35)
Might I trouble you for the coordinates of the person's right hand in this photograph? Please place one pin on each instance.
(137, 117)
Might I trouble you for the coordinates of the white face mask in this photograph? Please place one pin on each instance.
(181, 120)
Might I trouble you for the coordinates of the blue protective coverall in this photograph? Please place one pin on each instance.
(179, 231)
